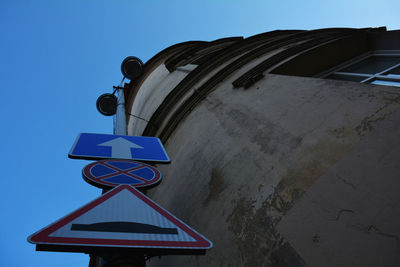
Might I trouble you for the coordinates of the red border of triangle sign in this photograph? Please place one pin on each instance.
(147, 225)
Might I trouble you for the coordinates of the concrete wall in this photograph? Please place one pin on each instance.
(151, 94)
(289, 172)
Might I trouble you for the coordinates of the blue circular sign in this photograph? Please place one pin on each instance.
(113, 172)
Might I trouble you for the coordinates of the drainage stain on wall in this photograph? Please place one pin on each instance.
(216, 185)
(258, 242)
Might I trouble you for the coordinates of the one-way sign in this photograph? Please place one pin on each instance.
(108, 146)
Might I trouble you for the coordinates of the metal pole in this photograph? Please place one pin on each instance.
(121, 260)
(120, 116)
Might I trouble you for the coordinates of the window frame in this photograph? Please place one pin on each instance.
(368, 78)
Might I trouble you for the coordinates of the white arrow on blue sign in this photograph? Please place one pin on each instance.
(108, 146)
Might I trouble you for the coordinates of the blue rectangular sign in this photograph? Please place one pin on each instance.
(108, 146)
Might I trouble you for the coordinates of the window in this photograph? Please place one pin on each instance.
(381, 68)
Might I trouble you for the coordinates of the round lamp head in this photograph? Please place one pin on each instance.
(132, 67)
(107, 104)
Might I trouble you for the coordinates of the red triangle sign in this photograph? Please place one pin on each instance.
(123, 218)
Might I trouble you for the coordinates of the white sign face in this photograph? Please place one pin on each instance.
(123, 217)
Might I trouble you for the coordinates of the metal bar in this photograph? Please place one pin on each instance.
(353, 74)
(120, 116)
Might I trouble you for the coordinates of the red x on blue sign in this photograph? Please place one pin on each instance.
(114, 172)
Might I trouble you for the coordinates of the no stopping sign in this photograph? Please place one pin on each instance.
(113, 172)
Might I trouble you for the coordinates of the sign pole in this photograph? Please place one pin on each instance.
(120, 129)
(120, 117)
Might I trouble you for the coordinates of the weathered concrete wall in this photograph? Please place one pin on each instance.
(350, 215)
(151, 94)
(290, 172)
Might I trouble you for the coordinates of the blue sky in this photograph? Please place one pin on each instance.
(57, 57)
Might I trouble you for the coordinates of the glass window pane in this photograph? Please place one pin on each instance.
(373, 64)
(345, 77)
(393, 76)
(390, 83)
(395, 71)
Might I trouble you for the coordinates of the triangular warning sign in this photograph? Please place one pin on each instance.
(123, 218)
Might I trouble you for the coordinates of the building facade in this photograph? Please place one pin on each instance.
(284, 146)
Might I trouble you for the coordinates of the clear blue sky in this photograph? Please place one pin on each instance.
(57, 57)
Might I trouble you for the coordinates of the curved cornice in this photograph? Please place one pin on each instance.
(279, 46)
